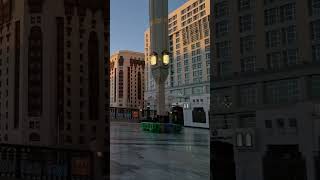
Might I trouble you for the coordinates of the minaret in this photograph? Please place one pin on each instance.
(159, 49)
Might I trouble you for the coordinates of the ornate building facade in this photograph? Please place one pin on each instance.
(126, 84)
(53, 60)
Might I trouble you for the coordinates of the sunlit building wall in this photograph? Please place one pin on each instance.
(189, 69)
(127, 83)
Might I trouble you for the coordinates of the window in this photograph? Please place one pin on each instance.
(288, 12)
(284, 91)
(81, 140)
(202, 6)
(291, 56)
(316, 53)
(239, 140)
(289, 35)
(315, 86)
(202, 13)
(268, 124)
(247, 121)
(68, 127)
(245, 4)
(207, 48)
(68, 91)
(81, 115)
(225, 69)
(223, 49)
(69, 115)
(293, 123)
(207, 55)
(271, 16)
(273, 39)
(248, 95)
(280, 123)
(248, 140)
(222, 28)
(248, 64)
(221, 9)
(81, 92)
(315, 28)
(314, 7)
(68, 139)
(93, 129)
(246, 23)
(247, 44)
(31, 125)
(274, 60)
(82, 128)
(34, 137)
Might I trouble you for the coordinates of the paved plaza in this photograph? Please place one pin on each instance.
(145, 156)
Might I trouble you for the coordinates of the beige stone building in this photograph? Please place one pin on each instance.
(52, 65)
(189, 69)
(127, 84)
(265, 89)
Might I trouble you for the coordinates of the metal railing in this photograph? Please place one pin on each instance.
(42, 163)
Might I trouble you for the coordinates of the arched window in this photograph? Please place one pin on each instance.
(239, 140)
(248, 140)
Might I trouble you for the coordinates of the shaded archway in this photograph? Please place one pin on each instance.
(222, 161)
(284, 162)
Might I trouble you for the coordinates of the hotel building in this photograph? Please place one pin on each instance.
(188, 83)
(265, 89)
(126, 84)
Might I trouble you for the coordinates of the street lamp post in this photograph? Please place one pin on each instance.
(160, 57)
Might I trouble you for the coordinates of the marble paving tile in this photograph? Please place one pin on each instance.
(145, 156)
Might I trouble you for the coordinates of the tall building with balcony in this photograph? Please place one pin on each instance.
(53, 57)
(188, 82)
(127, 84)
(265, 89)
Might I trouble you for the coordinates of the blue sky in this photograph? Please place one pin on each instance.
(129, 20)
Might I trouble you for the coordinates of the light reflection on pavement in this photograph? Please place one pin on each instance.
(145, 156)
